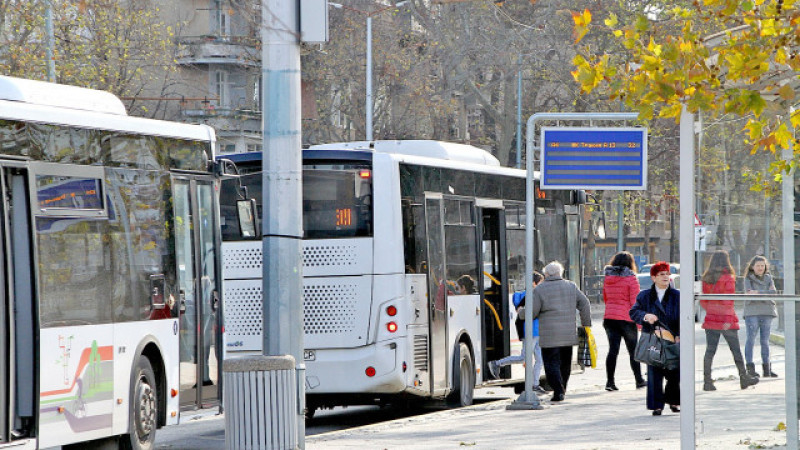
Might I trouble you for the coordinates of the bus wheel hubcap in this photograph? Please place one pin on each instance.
(146, 410)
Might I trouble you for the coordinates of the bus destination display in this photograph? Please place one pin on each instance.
(594, 158)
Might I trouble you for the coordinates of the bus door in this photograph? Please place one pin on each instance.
(18, 379)
(437, 295)
(197, 243)
(496, 323)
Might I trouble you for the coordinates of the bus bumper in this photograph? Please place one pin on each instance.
(348, 370)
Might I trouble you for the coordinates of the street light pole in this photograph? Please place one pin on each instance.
(368, 106)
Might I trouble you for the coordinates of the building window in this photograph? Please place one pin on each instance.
(221, 88)
(222, 20)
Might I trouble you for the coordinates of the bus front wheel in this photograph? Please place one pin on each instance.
(143, 416)
(463, 377)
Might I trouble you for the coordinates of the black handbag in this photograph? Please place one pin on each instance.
(656, 351)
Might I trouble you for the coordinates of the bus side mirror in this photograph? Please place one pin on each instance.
(246, 212)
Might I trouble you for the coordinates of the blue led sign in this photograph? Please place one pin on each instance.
(594, 158)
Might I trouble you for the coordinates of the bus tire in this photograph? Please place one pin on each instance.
(143, 414)
(463, 377)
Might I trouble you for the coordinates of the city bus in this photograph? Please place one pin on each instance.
(411, 253)
(109, 236)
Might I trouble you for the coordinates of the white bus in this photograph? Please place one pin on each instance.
(109, 239)
(392, 229)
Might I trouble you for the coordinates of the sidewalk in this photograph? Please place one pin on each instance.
(590, 418)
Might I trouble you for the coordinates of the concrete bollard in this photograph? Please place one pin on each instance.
(260, 401)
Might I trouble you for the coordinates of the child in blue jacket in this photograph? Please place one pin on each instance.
(519, 303)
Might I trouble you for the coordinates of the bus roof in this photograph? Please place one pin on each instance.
(426, 148)
(60, 104)
(59, 95)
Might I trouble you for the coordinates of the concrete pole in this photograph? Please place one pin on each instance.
(519, 113)
(368, 107)
(282, 194)
(51, 62)
(686, 193)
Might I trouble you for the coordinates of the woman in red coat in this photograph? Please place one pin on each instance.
(721, 319)
(620, 289)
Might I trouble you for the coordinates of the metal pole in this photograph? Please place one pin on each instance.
(686, 193)
(528, 399)
(620, 225)
(790, 307)
(282, 177)
(368, 106)
(519, 113)
(51, 62)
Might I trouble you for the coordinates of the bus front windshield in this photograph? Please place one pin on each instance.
(337, 200)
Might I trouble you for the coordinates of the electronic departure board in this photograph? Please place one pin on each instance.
(594, 158)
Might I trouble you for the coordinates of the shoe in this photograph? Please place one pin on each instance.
(746, 381)
(557, 398)
(493, 369)
(709, 386)
(751, 370)
(675, 408)
(656, 412)
(539, 390)
(768, 373)
(610, 386)
(641, 383)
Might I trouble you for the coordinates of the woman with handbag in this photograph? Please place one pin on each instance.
(660, 304)
(620, 289)
(721, 319)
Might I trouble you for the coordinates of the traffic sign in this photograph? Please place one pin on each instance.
(594, 158)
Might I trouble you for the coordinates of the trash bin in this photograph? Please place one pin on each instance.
(260, 402)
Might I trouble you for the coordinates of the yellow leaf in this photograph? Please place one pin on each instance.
(582, 19)
(611, 22)
(768, 27)
(786, 92)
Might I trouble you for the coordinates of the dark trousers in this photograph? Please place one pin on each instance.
(557, 367)
(617, 330)
(657, 394)
(712, 340)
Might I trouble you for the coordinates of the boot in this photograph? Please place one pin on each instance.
(746, 380)
(751, 370)
(708, 385)
(768, 371)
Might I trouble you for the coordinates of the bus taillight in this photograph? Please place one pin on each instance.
(391, 326)
(365, 174)
(391, 310)
(370, 371)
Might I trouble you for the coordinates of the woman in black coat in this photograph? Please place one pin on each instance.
(660, 303)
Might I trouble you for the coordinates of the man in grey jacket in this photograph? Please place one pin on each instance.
(554, 303)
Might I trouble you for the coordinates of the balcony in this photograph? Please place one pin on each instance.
(238, 50)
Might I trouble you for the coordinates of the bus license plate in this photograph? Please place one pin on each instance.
(309, 355)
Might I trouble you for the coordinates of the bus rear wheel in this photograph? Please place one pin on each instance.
(143, 417)
(463, 377)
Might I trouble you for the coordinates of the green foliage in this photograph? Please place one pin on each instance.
(717, 57)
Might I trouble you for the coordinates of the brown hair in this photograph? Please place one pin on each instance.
(753, 262)
(623, 259)
(719, 264)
